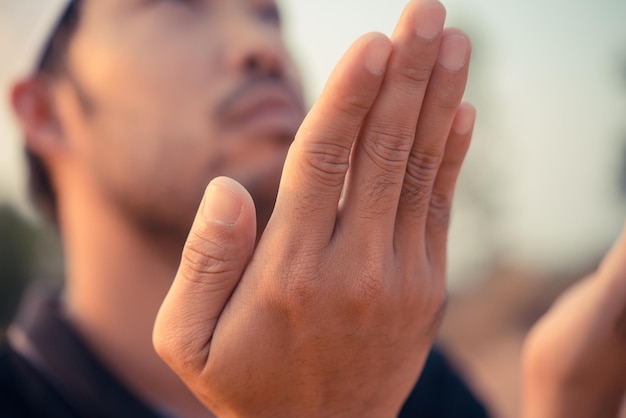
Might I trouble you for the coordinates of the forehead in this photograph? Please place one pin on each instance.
(131, 6)
(126, 17)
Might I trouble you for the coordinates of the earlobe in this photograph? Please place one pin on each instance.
(34, 109)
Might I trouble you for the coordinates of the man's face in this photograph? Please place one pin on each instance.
(172, 93)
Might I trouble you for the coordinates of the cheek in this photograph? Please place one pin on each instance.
(149, 75)
(164, 160)
(163, 177)
(150, 107)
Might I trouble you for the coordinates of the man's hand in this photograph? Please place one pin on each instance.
(575, 357)
(335, 310)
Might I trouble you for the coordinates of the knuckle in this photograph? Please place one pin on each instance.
(421, 172)
(370, 285)
(423, 166)
(414, 68)
(440, 211)
(363, 297)
(354, 104)
(301, 292)
(443, 104)
(204, 256)
(300, 286)
(450, 86)
(178, 353)
(326, 162)
(414, 74)
(370, 288)
(161, 344)
(388, 145)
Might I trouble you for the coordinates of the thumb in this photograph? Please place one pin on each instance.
(214, 258)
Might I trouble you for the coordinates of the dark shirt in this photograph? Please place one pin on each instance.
(46, 370)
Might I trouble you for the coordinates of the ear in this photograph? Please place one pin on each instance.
(33, 104)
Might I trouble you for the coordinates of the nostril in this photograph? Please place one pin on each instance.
(252, 64)
(255, 65)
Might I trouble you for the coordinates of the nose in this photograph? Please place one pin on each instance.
(254, 49)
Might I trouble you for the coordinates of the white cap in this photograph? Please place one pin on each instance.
(26, 27)
(25, 30)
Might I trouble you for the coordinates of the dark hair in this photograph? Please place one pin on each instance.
(41, 189)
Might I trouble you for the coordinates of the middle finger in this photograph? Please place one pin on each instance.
(379, 158)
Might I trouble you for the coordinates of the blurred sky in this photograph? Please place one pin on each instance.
(550, 86)
(549, 81)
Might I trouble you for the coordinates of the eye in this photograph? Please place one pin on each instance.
(182, 2)
(270, 14)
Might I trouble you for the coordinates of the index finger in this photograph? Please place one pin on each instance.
(318, 159)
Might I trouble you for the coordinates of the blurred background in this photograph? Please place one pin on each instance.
(540, 199)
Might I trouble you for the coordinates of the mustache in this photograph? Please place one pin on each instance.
(252, 83)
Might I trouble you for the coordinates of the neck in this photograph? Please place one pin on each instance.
(117, 278)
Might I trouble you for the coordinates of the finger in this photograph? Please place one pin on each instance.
(318, 159)
(612, 276)
(384, 144)
(215, 255)
(444, 94)
(443, 190)
(613, 266)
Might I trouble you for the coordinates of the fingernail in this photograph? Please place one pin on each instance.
(464, 119)
(377, 56)
(453, 52)
(429, 19)
(221, 205)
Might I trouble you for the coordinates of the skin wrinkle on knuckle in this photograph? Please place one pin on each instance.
(449, 83)
(352, 105)
(346, 115)
(189, 360)
(446, 105)
(326, 162)
(445, 92)
(388, 146)
(418, 66)
(439, 211)
(455, 156)
(202, 257)
(407, 97)
(413, 76)
(334, 135)
(422, 168)
(179, 353)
